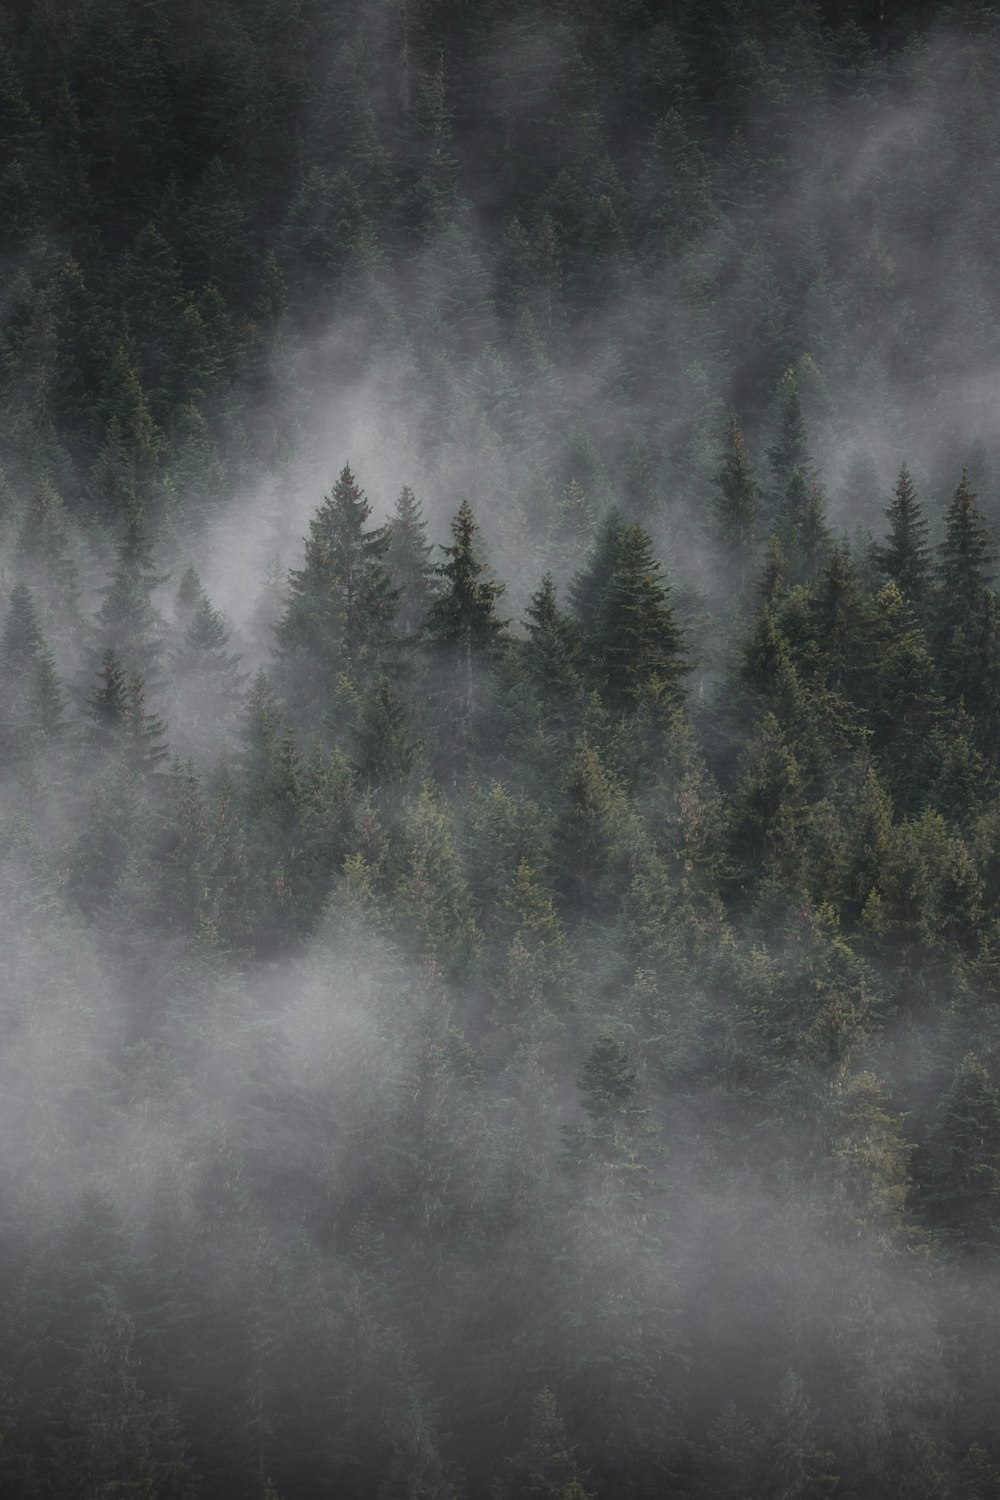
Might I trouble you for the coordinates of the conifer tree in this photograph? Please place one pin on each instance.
(545, 1467)
(384, 749)
(789, 453)
(589, 588)
(463, 625)
(342, 601)
(33, 700)
(552, 653)
(128, 622)
(736, 504)
(407, 558)
(801, 528)
(966, 626)
(904, 558)
(637, 640)
(964, 1188)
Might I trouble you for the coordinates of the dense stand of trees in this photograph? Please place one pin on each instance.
(515, 1014)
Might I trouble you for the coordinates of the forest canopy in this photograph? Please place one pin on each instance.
(499, 750)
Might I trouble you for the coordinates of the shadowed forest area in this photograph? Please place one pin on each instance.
(499, 750)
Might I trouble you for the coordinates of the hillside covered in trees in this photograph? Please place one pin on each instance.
(499, 750)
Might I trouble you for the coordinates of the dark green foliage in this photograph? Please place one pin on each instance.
(905, 557)
(480, 1066)
(408, 560)
(463, 618)
(736, 505)
(341, 603)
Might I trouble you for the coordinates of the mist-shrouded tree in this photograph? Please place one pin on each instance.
(122, 721)
(637, 640)
(545, 1467)
(589, 587)
(736, 507)
(33, 698)
(408, 560)
(341, 602)
(206, 681)
(128, 622)
(789, 452)
(462, 624)
(623, 1361)
(963, 1190)
(966, 624)
(385, 750)
(904, 557)
(552, 654)
(797, 1468)
(801, 528)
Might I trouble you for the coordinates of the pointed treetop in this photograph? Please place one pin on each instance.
(904, 557)
(464, 613)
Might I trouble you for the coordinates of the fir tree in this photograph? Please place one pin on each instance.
(407, 558)
(552, 653)
(462, 624)
(736, 504)
(342, 602)
(904, 558)
(637, 640)
(545, 1467)
(801, 528)
(384, 749)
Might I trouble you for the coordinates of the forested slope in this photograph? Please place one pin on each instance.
(499, 750)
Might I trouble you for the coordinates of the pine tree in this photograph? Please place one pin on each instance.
(736, 505)
(589, 588)
(552, 654)
(342, 601)
(545, 1467)
(33, 700)
(789, 453)
(205, 677)
(462, 624)
(623, 1353)
(801, 528)
(407, 558)
(904, 559)
(118, 709)
(966, 616)
(796, 1467)
(127, 622)
(963, 1195)
(384, 749)
(637, 640)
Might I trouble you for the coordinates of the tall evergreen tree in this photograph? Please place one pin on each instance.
(463, 624)
(904, 558)
(342, 601)
(637, 640)
(736, 506)
(408, 560)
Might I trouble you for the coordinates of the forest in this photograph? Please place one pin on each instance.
(499, 750)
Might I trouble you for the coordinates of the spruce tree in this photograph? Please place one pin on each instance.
(544, 1467)
(342, 602)
(736, 506)
(128, 622)
(462, 624)
(32, 695)
(801, 528)
(963, 1197)
(966, 625)
(904, 558)
(552, 653)
(637, 640)
(789, 453)
(408, 560)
